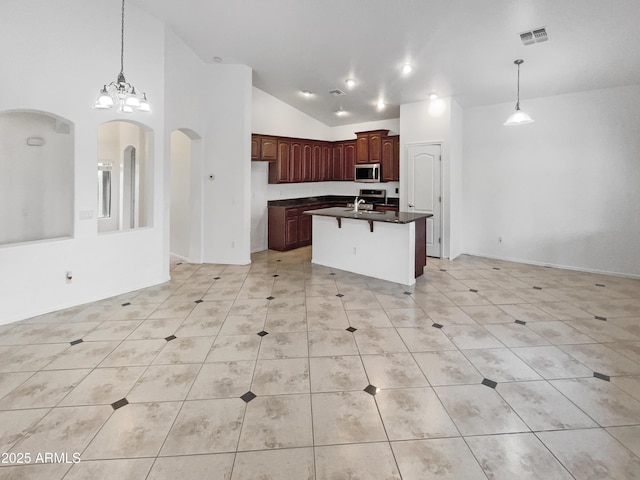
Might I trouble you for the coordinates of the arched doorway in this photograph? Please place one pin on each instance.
(185, 238)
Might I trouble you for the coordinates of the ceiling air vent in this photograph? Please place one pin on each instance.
(534, 36)
(336, 92)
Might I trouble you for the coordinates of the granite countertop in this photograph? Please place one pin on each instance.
(388, 216)
(320, 200)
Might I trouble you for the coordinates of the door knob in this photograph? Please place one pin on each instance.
(411, 205)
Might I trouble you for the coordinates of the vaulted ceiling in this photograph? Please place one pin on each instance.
(459, 48)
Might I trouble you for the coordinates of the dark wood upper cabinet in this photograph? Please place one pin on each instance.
(255, 148)
(369, 146)
(326, 162)
(279, 170)
(349, 160)
(307, 162)
(390, 161)
(268, 149)
(295, 161)
(316, 162)
(337, 170)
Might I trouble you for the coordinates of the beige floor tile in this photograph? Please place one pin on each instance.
(602, 359)
(82, 355)
(501, 365)
(292, 428)
(200, 327)
(628, 436)
(602, 401)
(332, 343)
(164, 383)
(185, 350)
(243, 324)
(602, 331)
(103, 386)
(133, 431)
(132, 353)
(156, 329)
(589, 453)
(216, 466)
(346, 417)
(449, 316)
(205, 426)
(327, 320)
(10, 381)
(232, 348)
(52, 471)
(413, 414)
(447, 368)
(28, 358)
(294, 463)
(334, 374)
(44, 389)
(527, 312)
(222, 380)
(408, 317)
(552, 363)
(112, 330)
(516, 335)
(630, 385)
(394, 370)
(542, 407)
(127, 469)
(630, 350)
(479, 410)
(286, 322)
(521, 456)
(426, 339)
(16, 424)
(488, 314)
(284, 345)
(559, 333)
(368, 318)
(379, 340)
(368, 460)
(438, 459)
(471, 336)
(562, 310)
(282, 376)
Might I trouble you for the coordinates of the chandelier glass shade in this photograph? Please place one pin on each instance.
(120, 94)
(518, 117)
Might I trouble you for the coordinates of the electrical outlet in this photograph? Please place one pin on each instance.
(499, 239)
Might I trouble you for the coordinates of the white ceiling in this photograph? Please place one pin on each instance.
(460, 48)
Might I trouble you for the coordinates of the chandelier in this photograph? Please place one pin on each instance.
(518, 117)
(121, 94)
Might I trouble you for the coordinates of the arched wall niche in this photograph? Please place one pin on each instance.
(125, 176)
(37, 181)
(186, 195)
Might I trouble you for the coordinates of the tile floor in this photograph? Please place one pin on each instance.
(286, 370)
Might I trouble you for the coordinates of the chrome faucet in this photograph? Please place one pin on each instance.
(356, 203)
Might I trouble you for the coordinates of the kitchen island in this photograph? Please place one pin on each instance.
(381, 244)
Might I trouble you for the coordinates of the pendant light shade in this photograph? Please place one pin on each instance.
(518, 117)
(121, 94)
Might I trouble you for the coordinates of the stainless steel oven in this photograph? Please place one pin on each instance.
(367, 172)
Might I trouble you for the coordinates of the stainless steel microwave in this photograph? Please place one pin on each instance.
(367, 172)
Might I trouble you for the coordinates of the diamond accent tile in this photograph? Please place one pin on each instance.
(436, 325)
(247, 397)
(75, 342)
(489, 383)
(120, 403)
(126, 304)
(262, 333)
(600, 285)
(443, 269)
(496, 268)
(270, 297)
(199, 301)
(276, 275)
(351, 329)
(340, 295)
(332, 273)
(473, 290)
(537, 288)
(520, 322)
(170, 337)
(217, 278)
(601, 318)
(372, 390)
(407, 293)
(602, 376)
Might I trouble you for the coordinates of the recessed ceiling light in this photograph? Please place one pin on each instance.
(407, 68)
(306, 93)
(350, 82)
(381, 104)
(217, 59)
(340, 112)
(433, 96)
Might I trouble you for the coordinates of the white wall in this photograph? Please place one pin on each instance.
(561, 191)
(180, 194)
(214, 101)
(436, 121)
(71, 43)
(271, 116)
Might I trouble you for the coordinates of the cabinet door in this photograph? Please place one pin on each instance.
(307, 162)
(295, 162)
(396, 158)
(279, 170)
(304, 230)
(362, 148)
(326, 161)
(255, 148)
(337, 170)
(349, 160)
(268, 149)
(375, 147)
(388, 153)
(291, 232)
(316, 162)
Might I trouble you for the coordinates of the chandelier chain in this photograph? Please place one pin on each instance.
(122, 41)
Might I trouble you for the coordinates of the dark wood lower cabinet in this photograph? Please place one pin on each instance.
(288, 228)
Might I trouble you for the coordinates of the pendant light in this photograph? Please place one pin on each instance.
(518, 117)
(121, 94)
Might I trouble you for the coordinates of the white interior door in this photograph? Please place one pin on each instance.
(424, 190)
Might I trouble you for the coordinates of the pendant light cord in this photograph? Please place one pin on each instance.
(122, 42)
